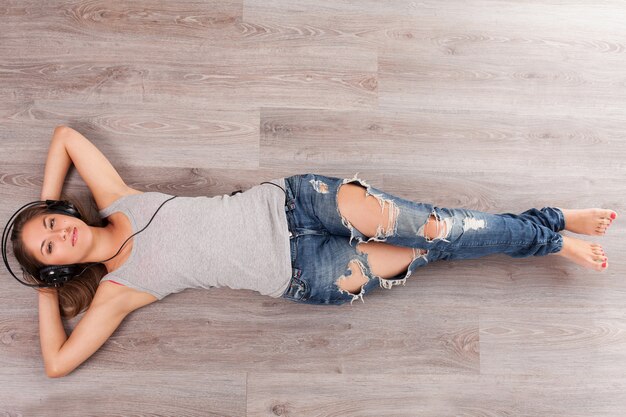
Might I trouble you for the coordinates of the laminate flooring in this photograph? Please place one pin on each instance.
(496, 106)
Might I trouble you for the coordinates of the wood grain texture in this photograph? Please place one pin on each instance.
(497, 106)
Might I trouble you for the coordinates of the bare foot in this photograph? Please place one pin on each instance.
(591, 221)
(589, 255)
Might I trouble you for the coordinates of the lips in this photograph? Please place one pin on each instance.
(74, 236)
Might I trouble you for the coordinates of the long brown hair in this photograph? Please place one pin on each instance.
(76, 295)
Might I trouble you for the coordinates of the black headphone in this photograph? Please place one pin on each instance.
(57, 275)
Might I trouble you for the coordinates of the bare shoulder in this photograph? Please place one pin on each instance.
(122, 297)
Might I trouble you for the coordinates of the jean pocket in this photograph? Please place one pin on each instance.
(297, 290)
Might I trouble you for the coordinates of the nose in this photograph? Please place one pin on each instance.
(64, 233)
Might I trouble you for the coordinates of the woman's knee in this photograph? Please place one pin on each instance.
(435, 229)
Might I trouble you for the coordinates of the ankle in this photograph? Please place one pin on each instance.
(564, 247)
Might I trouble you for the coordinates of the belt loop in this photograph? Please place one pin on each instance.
(290, 200)
(290, 204)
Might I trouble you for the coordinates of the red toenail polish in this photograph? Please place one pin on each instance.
(604, 264)
(612, 215)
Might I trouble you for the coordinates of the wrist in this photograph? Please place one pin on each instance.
(48, 293)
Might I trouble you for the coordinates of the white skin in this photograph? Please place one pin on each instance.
(93, 244)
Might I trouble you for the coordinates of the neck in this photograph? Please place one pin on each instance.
(106, 243)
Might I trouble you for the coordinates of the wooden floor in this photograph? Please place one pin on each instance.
(497, 106)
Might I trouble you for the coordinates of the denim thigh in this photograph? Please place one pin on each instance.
(321, 250)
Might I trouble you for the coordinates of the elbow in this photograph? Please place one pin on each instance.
(52, 372)
(62, 130)
(54, 375)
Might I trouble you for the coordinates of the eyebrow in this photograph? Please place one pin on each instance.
(44, 241)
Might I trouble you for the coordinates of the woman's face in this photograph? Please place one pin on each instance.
(49, 237)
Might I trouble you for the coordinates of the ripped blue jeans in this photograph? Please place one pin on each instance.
(322, 246)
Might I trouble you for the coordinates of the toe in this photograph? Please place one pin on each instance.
(608, 215)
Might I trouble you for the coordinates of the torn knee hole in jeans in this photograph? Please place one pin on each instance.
(388, 283)
(435, 228)
(354, 280)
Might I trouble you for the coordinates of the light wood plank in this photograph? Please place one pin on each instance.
(497, 106)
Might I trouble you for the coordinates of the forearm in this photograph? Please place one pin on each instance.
(57, 165)
(51, 332)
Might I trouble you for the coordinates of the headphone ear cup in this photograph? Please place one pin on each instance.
(63, 207)
(58, 274)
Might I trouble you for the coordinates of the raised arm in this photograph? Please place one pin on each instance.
(62, 355)
(57, 164)
(69, 146)
(111, 304)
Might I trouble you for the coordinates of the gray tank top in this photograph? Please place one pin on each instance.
(239, 241)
